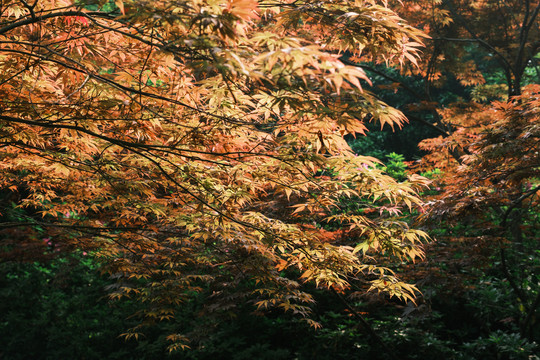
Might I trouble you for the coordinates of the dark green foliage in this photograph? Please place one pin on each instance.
(60, 310)
(395, 166)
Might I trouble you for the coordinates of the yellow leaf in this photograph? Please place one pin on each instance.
(120, 4)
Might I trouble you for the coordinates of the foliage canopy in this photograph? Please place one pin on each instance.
(197, 146)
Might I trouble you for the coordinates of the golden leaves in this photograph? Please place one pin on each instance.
(120, 4)
(196, 145)
(244, 9)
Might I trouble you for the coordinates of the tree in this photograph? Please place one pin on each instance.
(197, 146)
(496, 190)
(486, 54)
(479, 51)
(471, 38)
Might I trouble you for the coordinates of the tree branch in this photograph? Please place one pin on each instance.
(518, 201)
(519, 292)
(35, 19)
(484, 43)
(384, 346)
